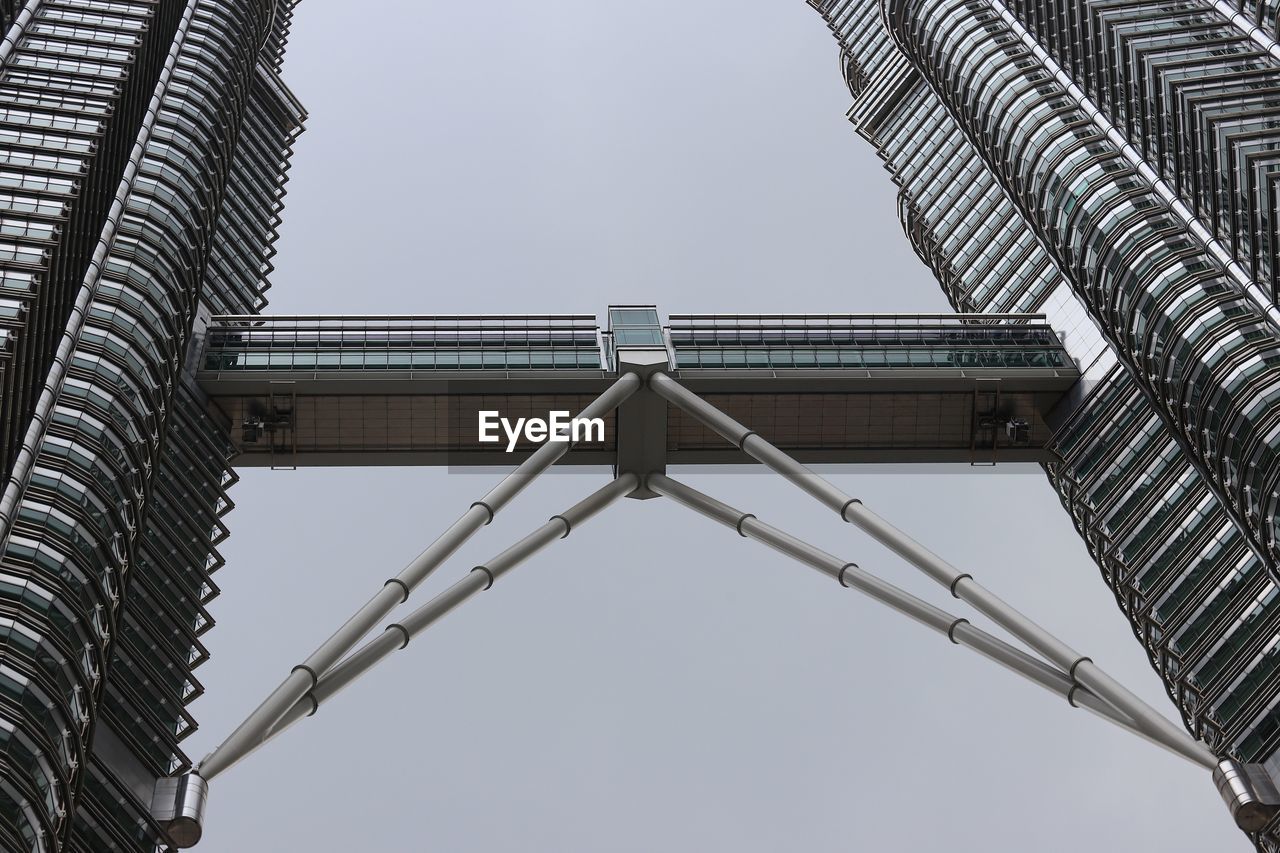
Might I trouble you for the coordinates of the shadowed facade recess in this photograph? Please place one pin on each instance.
(1116, 166)
(143, 145)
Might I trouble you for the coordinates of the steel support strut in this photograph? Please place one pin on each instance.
(958, 630)
(1079, 668)
(397, 635)
(306, 675)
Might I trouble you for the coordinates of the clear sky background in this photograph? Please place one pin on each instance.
(653, 682)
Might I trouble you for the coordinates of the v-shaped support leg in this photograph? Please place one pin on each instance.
(185, 795)
(962, 585)
(306, 675)
(956, 629)
(397, 635)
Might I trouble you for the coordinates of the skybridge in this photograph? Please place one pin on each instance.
(773, 389)
(827, 388)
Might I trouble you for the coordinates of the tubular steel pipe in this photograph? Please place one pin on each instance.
(961, 584)
(398, 634)
(18, 29)
(956, 629)
(306, 675)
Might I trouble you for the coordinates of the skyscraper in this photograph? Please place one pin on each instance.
(1116, 166)
(143, 147)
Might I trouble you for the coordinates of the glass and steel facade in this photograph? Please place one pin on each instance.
(142, 152)
(1113, 165)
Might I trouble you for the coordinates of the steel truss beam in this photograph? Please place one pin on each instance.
(306, 676)
(956, 629)
(962, 585)
(397, 635)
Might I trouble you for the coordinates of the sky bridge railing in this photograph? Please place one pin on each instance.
(409, 320)
(402, 360)
(869, 358)
(985, 336)
(850, 320)
(251, 339)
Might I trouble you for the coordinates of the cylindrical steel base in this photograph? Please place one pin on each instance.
(178, 806)
(1250, 812)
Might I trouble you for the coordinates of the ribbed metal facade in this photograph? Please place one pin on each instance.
(143, 146)
(1114, 165)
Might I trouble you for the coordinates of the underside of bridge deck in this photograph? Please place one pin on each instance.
(300, 391)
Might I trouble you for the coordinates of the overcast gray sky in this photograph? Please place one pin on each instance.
(651, 683)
